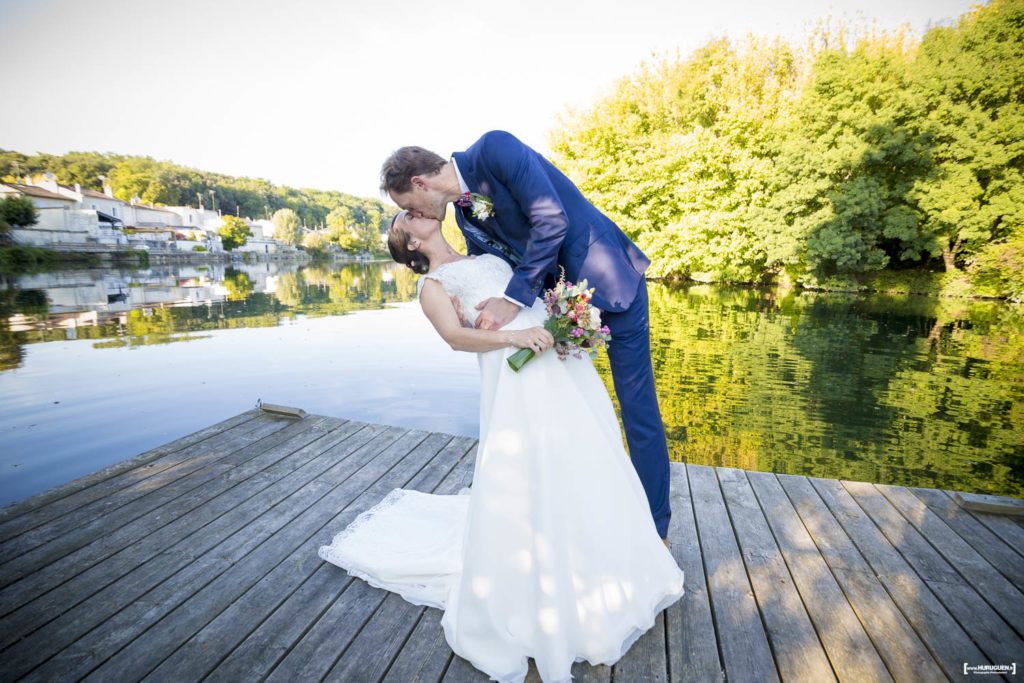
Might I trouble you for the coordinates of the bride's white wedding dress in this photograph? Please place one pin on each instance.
(553, 554)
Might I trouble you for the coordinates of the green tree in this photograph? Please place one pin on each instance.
(238, 284)
(287, 227)
(847, 162)
(18, 211)
(314, 241)
(234, 233)
(680, 153)
(971, 78)
(13, 166)
(341, 217)
(345, 238)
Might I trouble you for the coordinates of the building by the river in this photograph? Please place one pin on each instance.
(73, 217)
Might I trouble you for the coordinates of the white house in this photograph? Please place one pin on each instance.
(188, 217)
(111, 208)
(102, 202)
(59, 222)
(266, 227)
(148, 216)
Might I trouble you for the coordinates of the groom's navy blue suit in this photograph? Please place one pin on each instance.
(546, 222)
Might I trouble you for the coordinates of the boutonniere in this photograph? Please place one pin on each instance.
(480, 206)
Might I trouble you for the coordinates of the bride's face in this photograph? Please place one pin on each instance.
(419, 229)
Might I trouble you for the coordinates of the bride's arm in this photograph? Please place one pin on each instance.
(442, 315)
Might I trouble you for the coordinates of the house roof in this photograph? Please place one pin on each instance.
(99, 195)
(150, 207)
(34, 191)
(93, 193)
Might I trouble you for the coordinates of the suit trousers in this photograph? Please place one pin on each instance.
(629, 354)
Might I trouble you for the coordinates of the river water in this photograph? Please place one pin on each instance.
(98, 366)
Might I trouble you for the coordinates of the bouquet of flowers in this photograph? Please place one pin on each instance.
(572, 321)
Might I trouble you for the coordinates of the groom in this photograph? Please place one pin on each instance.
(513, 203)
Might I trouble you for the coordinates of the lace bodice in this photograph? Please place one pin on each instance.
(477, 279)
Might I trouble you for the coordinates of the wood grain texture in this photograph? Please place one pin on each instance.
(197, 561)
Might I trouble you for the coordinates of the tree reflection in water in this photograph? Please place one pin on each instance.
(914, 391)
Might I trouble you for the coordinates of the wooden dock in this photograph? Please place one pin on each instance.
(198, 561)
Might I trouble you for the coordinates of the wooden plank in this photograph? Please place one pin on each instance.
(215, 580)
(378, 642)
(1002, 595)
(997, 505)
(1007, 528)
(145, 487)
(25, 514)
(95, 629)
(274, 638)
(368, 656)
(324, 643)
(994, 636)
(461, 671)
(98, 536)
(583, 672)
(692, 655)
(271, 639)
(741, 636)
(201, 652)
(1004, 558)
(284, 411)
(58, 518)
(646, 660)
(91, 561)
(798, 651)
(279, 564)
(425, 655)
(905, 655)
(951, 644)
(849, 648)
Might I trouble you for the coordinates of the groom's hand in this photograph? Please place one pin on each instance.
(496, 312)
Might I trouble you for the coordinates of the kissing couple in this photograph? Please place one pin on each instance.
(559, 550)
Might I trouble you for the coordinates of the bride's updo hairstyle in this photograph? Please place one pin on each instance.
(398, 245)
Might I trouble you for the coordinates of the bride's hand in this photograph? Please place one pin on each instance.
(535, 338)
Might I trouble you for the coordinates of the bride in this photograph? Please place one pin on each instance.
(553, 553)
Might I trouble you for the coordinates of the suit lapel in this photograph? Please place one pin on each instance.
(491, 228)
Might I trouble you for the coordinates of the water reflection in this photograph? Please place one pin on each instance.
(173, 303)
(904, 390)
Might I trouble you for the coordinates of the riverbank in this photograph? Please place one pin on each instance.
(17, 259)
(914, 282)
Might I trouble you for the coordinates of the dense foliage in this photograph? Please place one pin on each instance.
(234, 233)
(161, 182)
(17, 211)
(819, 163)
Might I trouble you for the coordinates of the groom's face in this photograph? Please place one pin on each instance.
(422, 201)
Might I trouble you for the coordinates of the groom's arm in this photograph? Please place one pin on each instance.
(519, 168)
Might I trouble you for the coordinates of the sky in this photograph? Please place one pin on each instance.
(317, 93)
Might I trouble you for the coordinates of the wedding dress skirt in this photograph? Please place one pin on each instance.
(553, 554)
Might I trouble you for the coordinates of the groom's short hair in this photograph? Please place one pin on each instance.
(399, 168)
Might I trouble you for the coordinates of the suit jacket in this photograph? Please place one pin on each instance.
(547, 222)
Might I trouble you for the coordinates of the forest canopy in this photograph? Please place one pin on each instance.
(163, 182)
(821, 162)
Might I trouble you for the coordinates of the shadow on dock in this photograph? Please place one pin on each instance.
(198, 560)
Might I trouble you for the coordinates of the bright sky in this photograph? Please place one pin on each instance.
(317, 94)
